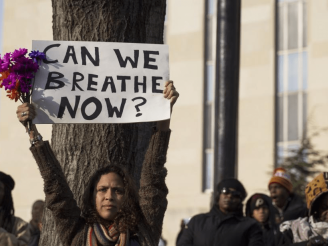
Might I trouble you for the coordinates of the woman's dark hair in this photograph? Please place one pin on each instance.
(130, 213)
(7, 209)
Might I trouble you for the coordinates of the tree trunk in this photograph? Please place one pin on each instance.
(83, 148)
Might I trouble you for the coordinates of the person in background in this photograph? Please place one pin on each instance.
(36, 222)
(225, 224)
(183, 224)
(162, 241)
(13, 230)
(259, 207)
(287, 205)
(312, 230)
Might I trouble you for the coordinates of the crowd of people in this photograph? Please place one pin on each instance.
(13, 230)
(279, 220)
(114, 213)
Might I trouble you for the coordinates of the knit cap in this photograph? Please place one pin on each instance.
(280, 176)
(7, 181)
(314, 189)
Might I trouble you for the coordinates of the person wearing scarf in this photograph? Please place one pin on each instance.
(312, 230)
(113, 213)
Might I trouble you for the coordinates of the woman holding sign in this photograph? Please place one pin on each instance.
(113, 213)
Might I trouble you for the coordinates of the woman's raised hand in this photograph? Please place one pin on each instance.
(25, 112)
(170, 93)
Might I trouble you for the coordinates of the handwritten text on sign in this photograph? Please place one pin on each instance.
(97, 82)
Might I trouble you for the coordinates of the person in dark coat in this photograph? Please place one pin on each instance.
(183, 224)
(259, 207)
(312, 230)
(287, 205)
(225, 224)
(13, 230)
(36, 222)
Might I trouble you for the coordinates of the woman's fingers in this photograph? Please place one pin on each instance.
(25, 112)
(170, 92)
(168, 87)
(174, 97)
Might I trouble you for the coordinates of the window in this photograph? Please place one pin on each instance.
(292, 75)
(208, 159)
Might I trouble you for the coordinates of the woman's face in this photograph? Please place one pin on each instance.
(261, 214)
(109, 195)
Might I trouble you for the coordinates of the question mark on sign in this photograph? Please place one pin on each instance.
(140, 104)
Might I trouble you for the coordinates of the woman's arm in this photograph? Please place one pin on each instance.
(59, 198)
(171, 94)
(153, 190)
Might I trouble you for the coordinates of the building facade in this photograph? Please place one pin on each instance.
(283, 95)
(22, 21)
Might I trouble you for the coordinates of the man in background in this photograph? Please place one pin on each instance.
(36, 222)
(287, 205)
(225, 224)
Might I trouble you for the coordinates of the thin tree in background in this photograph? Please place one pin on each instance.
(81, 148)
(304, 163)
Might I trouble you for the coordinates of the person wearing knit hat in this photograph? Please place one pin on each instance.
(280, 176)
(259, 207)
(287, 205)
(312, 229)
(13, 230)
(225, 224)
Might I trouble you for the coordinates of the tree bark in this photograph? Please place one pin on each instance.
(83, 148)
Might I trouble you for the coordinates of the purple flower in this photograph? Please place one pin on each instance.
(21, 71)
(6, 57)
(3, 65)
(10, 82)
(25, 84)
(32, 66)
(24, 64)
(37, 55)
(18, 53)
(4, 62)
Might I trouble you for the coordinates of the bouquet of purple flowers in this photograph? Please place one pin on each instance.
(17, 73)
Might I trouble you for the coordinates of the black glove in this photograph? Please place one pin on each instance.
(317, 241)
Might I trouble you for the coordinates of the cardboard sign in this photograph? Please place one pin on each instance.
(98, 82)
